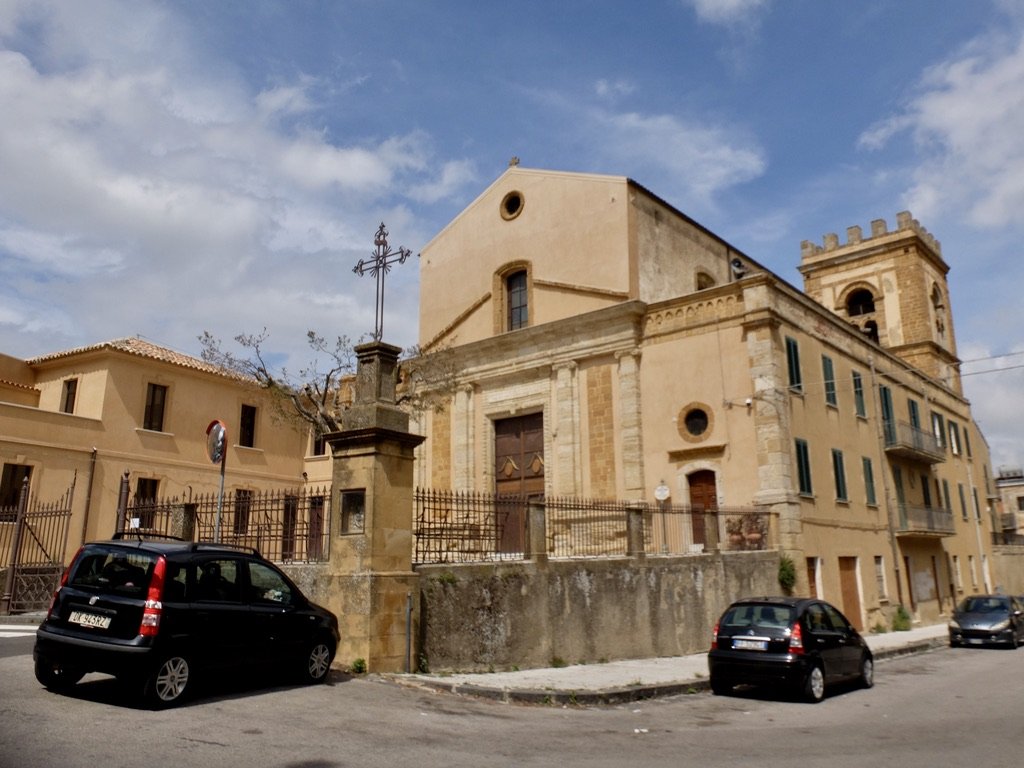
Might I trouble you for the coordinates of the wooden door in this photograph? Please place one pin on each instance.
(519, 472)
(850, 590)
(703, 500)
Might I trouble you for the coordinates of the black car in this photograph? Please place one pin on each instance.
(987, 620)
(160, 614)
(797, 644)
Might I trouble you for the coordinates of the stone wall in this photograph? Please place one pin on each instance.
(499, 616)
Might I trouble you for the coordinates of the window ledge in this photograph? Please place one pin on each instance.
(160, 433)
(248, 448)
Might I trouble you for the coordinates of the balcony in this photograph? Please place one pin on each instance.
(924, 522)
(910, 442)
(1008, 521)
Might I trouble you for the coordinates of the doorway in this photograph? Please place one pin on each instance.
(850, 591)
(703, 502)
(519, 473)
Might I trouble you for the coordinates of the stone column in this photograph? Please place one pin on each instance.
(567, 480)
(631, 425)
(373, 585)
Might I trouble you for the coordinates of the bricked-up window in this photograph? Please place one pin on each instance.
(883, 592)
(156, 401)
(67, 400)
(516, 300)
(858, 395)
(247, 426)
(793, 365)
(803, 468)
(829, 374)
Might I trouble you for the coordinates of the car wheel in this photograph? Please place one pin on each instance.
(720, 687)
(867, 671)
(168, 683)
(55, 676)
(814, 685)
(317, 663)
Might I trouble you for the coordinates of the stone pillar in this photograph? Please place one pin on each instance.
(631, 433)
(567, 480)
(373, 584)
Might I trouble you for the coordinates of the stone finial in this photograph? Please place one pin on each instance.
(513, 162)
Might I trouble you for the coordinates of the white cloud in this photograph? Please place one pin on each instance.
(134, 154)
(727, 12)
(966, 123)
(699, 161)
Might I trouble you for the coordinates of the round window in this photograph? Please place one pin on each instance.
(511, 205)
(695, 422)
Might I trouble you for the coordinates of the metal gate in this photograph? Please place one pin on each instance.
(33, 540)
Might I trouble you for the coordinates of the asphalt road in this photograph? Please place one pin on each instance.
(946, 707)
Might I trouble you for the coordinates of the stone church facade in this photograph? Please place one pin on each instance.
(607, 345)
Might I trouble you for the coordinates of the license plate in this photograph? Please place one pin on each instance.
(744, 644)
(974, 641)
(89, 620)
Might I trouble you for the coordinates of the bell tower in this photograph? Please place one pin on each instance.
(892, 286)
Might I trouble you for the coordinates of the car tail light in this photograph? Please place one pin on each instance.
(796, 639)
(150, 624)
(714, 637)
(63, 582)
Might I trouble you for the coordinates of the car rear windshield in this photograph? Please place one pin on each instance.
(109, 569)
(757, 615)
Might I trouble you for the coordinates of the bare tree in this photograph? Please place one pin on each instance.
(323, 390)
(316, 396)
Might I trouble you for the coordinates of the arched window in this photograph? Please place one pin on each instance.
(704, 281)
(518, 314)
(861, 302)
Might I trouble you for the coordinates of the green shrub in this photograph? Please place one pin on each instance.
(901, 620)
(787, 574)
(358, 666)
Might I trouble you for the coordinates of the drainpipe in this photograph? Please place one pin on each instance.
(88, 494)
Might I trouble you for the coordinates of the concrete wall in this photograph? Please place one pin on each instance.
(503, 615)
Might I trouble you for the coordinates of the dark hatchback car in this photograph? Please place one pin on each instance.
(799, 645)
(159, 615)
(987, 620)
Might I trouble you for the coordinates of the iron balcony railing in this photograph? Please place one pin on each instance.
(924, 521)
(910, 442)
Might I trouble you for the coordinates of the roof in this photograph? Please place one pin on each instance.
(139, 348)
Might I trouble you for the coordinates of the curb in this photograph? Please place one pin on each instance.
(609, 696)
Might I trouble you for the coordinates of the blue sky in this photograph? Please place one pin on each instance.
(168, 168)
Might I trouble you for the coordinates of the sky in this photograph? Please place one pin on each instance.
(171, 167)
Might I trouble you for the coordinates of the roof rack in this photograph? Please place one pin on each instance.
(139, 535)
(197, 545)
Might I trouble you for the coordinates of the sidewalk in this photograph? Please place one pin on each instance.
(623, 681)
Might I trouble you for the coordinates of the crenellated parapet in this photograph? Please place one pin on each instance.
(879, 231)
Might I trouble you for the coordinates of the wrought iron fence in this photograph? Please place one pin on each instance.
(33, 544)
(288, 526)
(459, 527)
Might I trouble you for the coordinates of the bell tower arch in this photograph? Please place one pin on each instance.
(892, 285)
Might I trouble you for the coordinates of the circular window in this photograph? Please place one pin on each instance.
(695, 422)
(511, 205)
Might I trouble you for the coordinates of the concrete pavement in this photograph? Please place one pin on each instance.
(634, 679)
